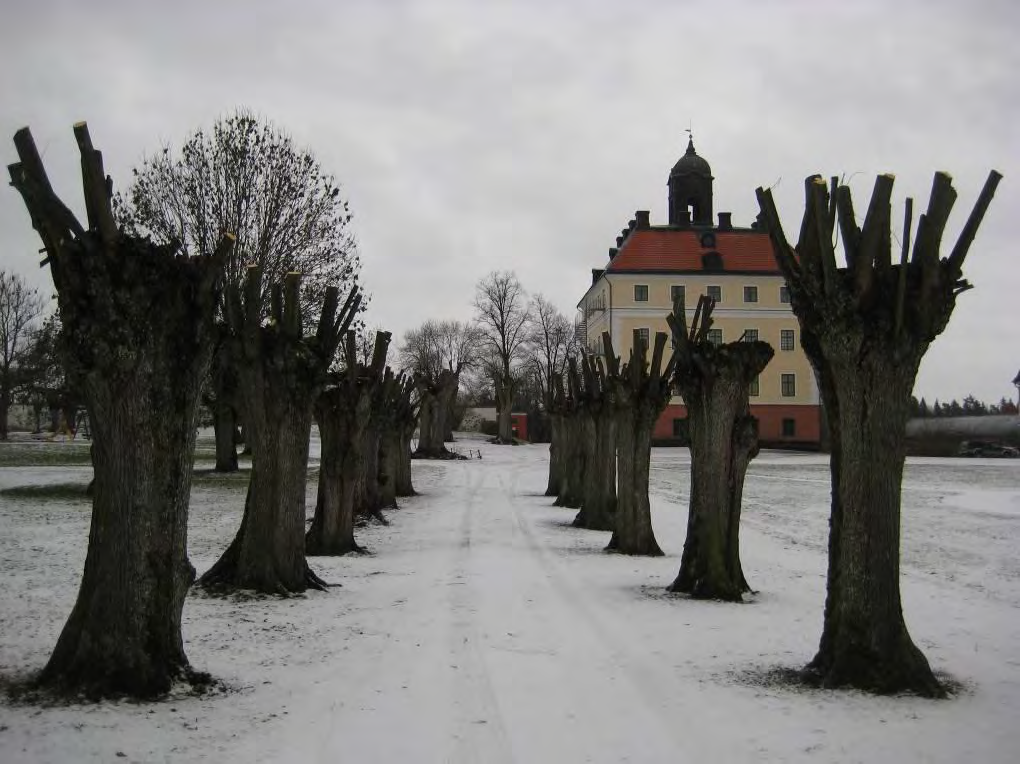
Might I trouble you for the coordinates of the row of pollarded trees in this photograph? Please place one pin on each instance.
(139, 333)
(865, 328)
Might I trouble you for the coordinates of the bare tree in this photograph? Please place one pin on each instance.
(138, 329)
(281, 374)
(20, 308)
(248, 177)
(865, 329)
(436, 353)
(502, 316)
(550, 340)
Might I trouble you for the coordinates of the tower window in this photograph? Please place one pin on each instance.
(641, 293)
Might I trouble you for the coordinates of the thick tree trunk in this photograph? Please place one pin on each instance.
(138, 332)
(720, 451)
(446, 395)
(430, 437)
(598, 507)
(634, 534)
(504, 407)
(225, 429)
(388, 456)
(5, 411)
(342, 414)
(403, 483)
(268, 553)
(555, 457)
(369, 497)
(575, 465)
(865, 642)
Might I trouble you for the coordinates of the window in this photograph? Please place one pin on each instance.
(715, 336)
(789, 385)
(784, 295)
(789, 428)
(641, 293)
(643, 337)
(714, 292)
(750, 294)
(786, 339)
(680, 429)
(677, 292)
(750, 335)
(754, 390)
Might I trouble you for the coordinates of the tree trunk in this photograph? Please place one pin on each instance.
(225, 429)
(389, 445)
(369, 498)
(504, 406)
(865, 642)
(138, 332)
(446, 396)
(634, 534)
(720, 451)
(342, 414)
(598, 507)
(575, 462)
(404, 485)
(5, 410)
(555, 457)
(430, 440)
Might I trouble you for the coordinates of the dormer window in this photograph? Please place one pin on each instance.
(708, 240)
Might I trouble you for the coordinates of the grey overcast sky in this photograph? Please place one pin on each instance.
(472, 136)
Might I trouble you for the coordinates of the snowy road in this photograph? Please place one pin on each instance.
(483, 628)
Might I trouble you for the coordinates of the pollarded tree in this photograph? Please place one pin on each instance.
(20, 309)
(138, 332)
(501, 313)
(436, 353)
(280, 374)
(288, 214)
(715, 382)
(394, 450)
(641, 392)
(597, 414)
(574, 440)
(865, 328)
(343, 411)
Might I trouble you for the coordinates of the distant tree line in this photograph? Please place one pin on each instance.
(971, 406)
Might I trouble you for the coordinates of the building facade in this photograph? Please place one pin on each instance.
(693, 255)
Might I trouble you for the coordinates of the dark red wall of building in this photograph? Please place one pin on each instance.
(807, 423)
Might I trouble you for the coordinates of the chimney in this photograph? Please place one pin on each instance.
(596, 274)
(612, 253)
(725, 221)
(685, 219)
(619, 241)
(641, 218)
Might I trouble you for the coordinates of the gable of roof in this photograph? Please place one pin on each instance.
(667, 250)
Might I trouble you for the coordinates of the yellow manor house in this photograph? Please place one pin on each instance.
(651, 265)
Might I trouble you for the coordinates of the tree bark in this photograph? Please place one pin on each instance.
(865, 329)
(280, 375)
(404, 484)
(138, 326)
(222, 400)
(504, 389)
(555, 456)
(598, 433)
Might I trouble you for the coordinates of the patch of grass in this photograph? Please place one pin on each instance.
(48, 492)
(44, 454)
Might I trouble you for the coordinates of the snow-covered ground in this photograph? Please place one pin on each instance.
(483, 628)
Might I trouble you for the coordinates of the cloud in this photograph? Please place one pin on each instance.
(478, 136)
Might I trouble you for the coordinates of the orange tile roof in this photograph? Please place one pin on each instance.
(669, 249)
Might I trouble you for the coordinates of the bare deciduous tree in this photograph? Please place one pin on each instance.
(20, 308)
(865, 328)
(502, 316)
(248, 177)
